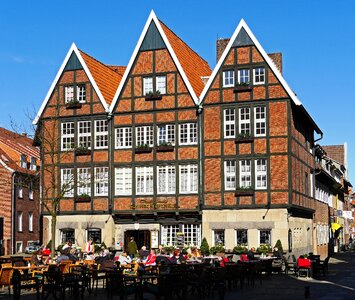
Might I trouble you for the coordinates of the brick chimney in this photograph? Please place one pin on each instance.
(277, 59)
(220, 46)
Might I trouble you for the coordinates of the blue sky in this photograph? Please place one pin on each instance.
(316, 38)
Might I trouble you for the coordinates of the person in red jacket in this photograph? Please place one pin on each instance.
(150, 261)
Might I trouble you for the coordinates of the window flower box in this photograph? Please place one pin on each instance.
(244, 192)
(165, 147)
(242, 87)
(73, 104)
(143, 149)
(151, 96)
(243, 139)
(81, 151)
(83, 198)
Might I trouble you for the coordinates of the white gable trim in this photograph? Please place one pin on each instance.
(72, 49)
(6, 166)
(153, 17)
(266, 57)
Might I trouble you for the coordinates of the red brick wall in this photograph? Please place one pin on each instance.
(5, 204)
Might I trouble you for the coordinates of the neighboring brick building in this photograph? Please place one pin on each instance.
(226, 154)
(19, 196)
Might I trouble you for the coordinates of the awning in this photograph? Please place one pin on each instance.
(336, 226)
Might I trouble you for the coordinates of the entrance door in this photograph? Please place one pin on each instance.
(142, 238)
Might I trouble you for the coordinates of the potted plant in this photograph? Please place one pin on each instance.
(264, 249)
(73, 104)
(243, 87)
(240, 249)
(83, 198)
(82, 150)
(244, 191)
(143, 148)
(217, 249)
(244, 137)
(150, 96)
(165, 147)
(205, 248)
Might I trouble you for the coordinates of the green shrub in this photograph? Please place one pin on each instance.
(278, 245)
(239, 249)
(216, 249)
(264, 248)
(205, 248)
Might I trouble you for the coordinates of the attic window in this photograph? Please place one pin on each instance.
(33, 164)
(154, 85)
(69, 94)
(228, 78)
(81, 93)
(23, 162)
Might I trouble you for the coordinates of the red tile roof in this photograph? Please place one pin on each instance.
(193, 65)
(107, 78)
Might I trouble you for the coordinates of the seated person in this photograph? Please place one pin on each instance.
(195, 252)
(151, 258)
(251, 254)
(163, 259)
(63, 256)
(71, 255)
(276, 252)
(143, 253)
(68, 244)
(124, 259)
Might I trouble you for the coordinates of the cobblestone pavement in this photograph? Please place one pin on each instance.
(338, 284)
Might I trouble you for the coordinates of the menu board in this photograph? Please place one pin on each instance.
(180, 238)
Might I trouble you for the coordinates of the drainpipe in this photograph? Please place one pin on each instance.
(13, 195)
(200, 152)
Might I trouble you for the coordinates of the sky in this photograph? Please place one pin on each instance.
(316, 38)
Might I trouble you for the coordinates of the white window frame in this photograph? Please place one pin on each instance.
(229, 123)
(84, 134)
(168, 234)
(214, 235)
(81, 93)
(166, 181)
(160, 84)
(191, 184)
(33, 163)
(244, 76)
(67, 178)
(230, 169)
(30, 221)
(69, 93)
(145, 177)
(245, 171)
(19, 246)
(30, 190)
(123, 138)
(147, 85)
(244, 120)
(84, 181)
(67, 136)
(123, 181)
(236, 237)
(166, 134)
(101, 181)
(228, 78)
(188, 133)
(192, 234)
(19, 221)
(23, 162)
(144, 136)
(259, 120)
(20, 188)
(101, 134)
(259, 75)
(260, 172)
(259, 236)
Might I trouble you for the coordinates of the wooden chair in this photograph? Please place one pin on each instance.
(289, 265)
(322, 266)
(5, 277)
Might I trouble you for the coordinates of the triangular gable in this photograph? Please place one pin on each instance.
(152, 39)
(242, 39)
(73, 50)
(73, 63)
(239, 36)
(152, 19)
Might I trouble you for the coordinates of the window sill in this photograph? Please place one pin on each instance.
(75, 105)
(241, 193)
(143, 150)
(243, 140)
(83, 199)
(153, 97)
(82, 152)
(164, 148)
(242, 89)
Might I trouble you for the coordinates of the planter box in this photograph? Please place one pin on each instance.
(164, 148)
(82, 152)
(73, 105)
(242, 88)
(142, 150)
(153, 97)
(244, 140)
(83, 199)
(241, 193)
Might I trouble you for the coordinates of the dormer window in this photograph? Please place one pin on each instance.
(33, 166)
(151, 86)
(23, 162)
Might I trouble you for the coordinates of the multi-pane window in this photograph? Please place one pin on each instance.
(84, 134)
(260, 174)
(94, 234)
(242, 237)
(144, 135)
(166, 179)
(259, 75)
(192, 234)
(30, 190)
(265, 237)
(19, 188)
(123, 137)
(67, 235)
(101, 181)
(147, 85)
(244, 121)
(166, 134)
(229, 123)
(30, 221)
(244, 76)
(67, 182)
(188, 179)
(19, 246)
(67, 135)
(161, 84)
(245, 173)
(218, 237)
(229, 174)
(101, 134)
(144, 180)
(84, 181)
(260, 121)
(188, 133)
(168, 234)
(33, 164)
(81, 93)
(228, 78)
(23, 162)
(123, 181)
(69, 93)
(19, 220)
